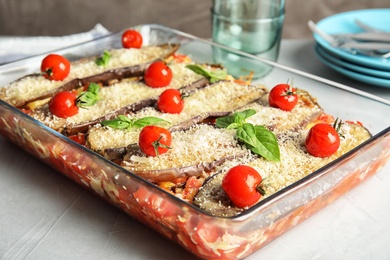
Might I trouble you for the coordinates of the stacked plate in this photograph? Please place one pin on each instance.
(371, 70)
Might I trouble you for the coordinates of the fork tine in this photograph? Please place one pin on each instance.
(366, 27)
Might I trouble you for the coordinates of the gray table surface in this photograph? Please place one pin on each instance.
(43, 215)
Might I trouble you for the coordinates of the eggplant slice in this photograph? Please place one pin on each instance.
(278, 121)
(198, 149)
(218, 99)
(126, 96)
(295, 164)
(123, 63)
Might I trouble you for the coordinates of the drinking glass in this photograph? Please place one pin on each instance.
(252, 26)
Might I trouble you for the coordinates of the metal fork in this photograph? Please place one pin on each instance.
(368, 28)
(339, 41)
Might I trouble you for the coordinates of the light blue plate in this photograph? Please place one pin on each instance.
(351, 66)
(345, 23)
(380, 82)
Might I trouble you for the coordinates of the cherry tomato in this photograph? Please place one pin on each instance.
(242, 185)
(63, 104)
(154, 140)
(55, 67)
(170, 101)
(283, 96)
(354, 122)
(78, 138)
(26, 111)
(158, 75)
(131, 39)
(181, 57)
(322, 140)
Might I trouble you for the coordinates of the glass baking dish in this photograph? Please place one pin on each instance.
(202, 234)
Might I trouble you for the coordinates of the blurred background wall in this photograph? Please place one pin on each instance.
(62, 17)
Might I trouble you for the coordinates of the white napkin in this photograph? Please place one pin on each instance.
(14, 48)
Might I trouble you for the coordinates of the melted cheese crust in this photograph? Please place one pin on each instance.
(296, 162)
(201, 144)
(116, 96)
(34, 86)
(223, 96)
(279, 120)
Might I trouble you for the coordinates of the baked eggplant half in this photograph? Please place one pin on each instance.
(193, 151)
(125, 96)
(295, 164)
(34, 90)
(214, 100)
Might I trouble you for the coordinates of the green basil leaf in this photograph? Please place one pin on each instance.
(104, 59)
(233, 126)
(217, 75)
(224, 122)
(260, 141)
(121, 122)
(270, 147)
(246, 113)
(213, 76)
(93, 88)
(149, 120)
(86, 99)
(236, 120)
(90, 97)
(243, 115)
(198, 70)
(247, 134)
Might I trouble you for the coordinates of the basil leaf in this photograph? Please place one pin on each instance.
(224, 122)
(198, 70)
(149, 120)
(247, 134)
(269, 148)
(93, 88)
(244, 114)
(104, 59)
(233, 126)
(217, 75)
(260, 141)
(90, 97)
(213, 76)
(236, 120)
(123, 122)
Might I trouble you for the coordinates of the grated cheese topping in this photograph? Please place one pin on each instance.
(34, 86)
(279, 120)
(296, 162)
(116, 96)
(223, 96)
(201, 144)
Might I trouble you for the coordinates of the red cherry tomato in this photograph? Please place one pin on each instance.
(131, 39)
(283, 96)
(242, 185)
(55, 67)
(63, 104)
(158, 75)
(78, 138)
(322, 140)
(170, 101)
(154, 140)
